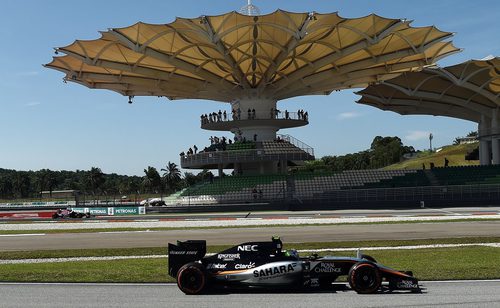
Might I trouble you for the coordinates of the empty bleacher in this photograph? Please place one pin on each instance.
(275, 147)
(463, 175)
(308, 186)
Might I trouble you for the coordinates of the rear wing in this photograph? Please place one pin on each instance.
(184, 252)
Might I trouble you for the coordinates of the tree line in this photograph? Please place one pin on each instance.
(30, 184)
(384, 151)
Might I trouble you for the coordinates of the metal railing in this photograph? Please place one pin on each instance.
(258, 115)
(299, 144)
(221, 157)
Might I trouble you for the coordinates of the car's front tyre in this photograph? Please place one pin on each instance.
(364, 278)
(191, 278)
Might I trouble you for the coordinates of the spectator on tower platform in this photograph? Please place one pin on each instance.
(253, 114)
(195, 149)
(224, 114)
(272, 112)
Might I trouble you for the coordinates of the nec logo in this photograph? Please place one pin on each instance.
(247, 248)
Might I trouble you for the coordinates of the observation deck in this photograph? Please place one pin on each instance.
(258, 119)
(261, 157)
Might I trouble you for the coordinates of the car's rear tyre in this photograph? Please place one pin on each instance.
(364, 278)
(369, 258)
(191, 278)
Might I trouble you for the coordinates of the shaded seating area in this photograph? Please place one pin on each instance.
(462, 175)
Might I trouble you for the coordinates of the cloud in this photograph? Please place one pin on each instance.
(348, 115)
(32, 104)
(28, 73)
(415, 135)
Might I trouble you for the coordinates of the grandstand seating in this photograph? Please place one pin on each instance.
(238, 146)
(307, 186)
(274, 147)
(466, 174)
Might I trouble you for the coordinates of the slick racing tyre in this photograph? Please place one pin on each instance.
(191, 278)
(364, 278)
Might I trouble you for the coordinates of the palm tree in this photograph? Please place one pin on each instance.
(152, 179)
(95, 178)
(171, 176)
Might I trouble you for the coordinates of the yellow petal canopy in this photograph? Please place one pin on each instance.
(467, 91)
(230, 56)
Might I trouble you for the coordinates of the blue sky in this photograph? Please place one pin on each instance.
(45, 123)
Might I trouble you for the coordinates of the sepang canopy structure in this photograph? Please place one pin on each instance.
(251, 62)
(469, 91)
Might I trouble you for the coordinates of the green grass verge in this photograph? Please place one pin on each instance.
(454, 153)
(37, 254)
(427, 264)
(492, 218)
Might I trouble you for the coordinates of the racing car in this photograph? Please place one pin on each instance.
(68, 213)
(266, 266)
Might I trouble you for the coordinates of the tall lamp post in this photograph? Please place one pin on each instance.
(430, 141)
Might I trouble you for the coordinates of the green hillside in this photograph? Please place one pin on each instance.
(454, 153)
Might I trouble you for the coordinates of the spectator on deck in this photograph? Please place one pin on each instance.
(195, 149)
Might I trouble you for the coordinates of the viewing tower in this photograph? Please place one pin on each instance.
(250, 62)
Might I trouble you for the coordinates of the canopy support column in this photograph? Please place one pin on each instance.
(495, 141)
(484, 147)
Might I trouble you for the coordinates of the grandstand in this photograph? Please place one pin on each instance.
(304, 187)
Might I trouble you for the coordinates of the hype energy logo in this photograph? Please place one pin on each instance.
(112, 211)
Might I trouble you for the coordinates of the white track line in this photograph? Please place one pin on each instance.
(27, 234)
(173, 284)
(231, 223)
(441, 210)
(114, 258)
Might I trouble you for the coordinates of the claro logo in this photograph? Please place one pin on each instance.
(247, 248)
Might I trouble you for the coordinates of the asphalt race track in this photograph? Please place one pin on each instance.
(442, 294)
(316, 214)
(329, 233)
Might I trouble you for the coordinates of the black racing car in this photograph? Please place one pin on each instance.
(68, 213)
(264, 265)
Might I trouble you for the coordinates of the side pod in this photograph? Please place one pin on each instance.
(184, 252)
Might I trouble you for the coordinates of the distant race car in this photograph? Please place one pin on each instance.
(67, 213)
(153, 202)
(265, 266)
